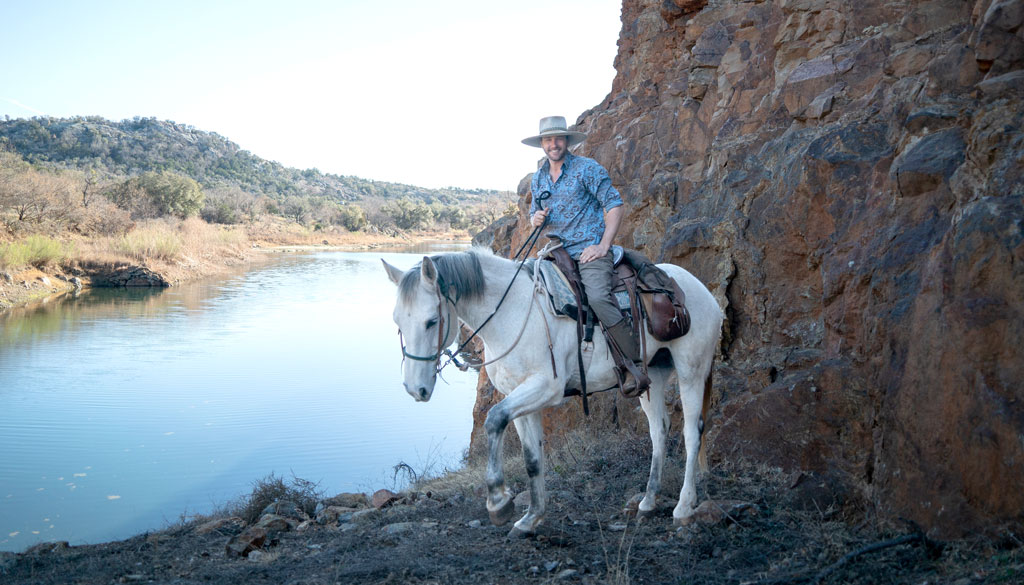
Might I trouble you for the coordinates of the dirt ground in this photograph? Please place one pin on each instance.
(438, 532)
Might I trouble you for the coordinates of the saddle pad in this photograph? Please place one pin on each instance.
(557, 287)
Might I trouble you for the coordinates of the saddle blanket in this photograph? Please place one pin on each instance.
(559, 292)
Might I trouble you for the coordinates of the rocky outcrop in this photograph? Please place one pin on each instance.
(847, 180)
(127, 276)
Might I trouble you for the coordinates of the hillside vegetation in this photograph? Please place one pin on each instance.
(58, 173)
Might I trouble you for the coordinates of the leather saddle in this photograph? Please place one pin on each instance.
(644, 294)
(643, 291)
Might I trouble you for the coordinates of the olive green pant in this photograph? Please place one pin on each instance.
(597, 283)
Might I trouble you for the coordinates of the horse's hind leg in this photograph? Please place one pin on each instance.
(691, 392)
(653, 404)
(531, 435)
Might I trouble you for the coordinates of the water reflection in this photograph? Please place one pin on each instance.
(120, 409)
(25, 324)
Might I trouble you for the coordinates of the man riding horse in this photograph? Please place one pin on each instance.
(584, 212)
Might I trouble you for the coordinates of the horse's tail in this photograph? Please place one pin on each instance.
(702, 453)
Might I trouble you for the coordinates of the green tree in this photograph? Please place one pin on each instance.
(173, 194)
(408, 214)
(352, 217)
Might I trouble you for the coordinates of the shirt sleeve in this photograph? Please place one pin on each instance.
(534, 186)
(600, 184)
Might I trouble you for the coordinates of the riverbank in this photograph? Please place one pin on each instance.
(169, 254)
(761, 526)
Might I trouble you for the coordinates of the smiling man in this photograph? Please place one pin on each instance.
(584, 211)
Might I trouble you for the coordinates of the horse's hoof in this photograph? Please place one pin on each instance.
(683, 521)
(517, 534)
(632, 507)
(504, 513)
(645, 514)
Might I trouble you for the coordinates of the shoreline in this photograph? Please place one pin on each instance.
(28, 286)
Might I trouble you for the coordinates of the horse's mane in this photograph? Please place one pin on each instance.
(456, 271)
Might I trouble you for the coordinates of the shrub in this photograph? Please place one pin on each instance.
(34, 250)
(270, 489)
(13, 255)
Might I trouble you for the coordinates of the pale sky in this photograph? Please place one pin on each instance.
(429, 93)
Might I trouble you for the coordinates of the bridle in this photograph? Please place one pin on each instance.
(443, 328)
(441, 298)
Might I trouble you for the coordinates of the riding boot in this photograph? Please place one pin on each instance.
(633, 381)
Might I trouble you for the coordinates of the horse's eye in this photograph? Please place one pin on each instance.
(431, 323)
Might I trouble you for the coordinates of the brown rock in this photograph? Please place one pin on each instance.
(274, 524)
(246, 542)
(348, 500)
(383, 498)
(220, 524)
(334, 514)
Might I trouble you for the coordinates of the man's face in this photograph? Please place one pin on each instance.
(554, 147)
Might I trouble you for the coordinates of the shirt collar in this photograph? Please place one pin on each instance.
(566, 163)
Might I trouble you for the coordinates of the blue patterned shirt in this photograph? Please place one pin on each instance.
(579, 199)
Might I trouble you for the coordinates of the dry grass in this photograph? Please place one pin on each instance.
(166, 241)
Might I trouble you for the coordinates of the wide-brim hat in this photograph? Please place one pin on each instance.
(555, 126)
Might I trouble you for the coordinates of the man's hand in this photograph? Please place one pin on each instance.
(538, 217)
(594, 252)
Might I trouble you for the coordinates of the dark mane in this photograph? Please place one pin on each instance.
(458, 273)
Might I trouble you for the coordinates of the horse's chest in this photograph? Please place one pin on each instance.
(561, 368)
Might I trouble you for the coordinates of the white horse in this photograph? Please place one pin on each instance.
(467, 286)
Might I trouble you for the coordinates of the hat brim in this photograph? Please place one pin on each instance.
(572, 138)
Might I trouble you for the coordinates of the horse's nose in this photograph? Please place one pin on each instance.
(421, 394)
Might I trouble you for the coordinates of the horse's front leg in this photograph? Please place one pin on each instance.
(500, 506)
(531, 434)
(653, 404)
(529, 397)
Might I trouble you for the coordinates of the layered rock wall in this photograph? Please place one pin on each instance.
(847, 179)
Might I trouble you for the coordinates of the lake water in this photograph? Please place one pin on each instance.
(121, 410)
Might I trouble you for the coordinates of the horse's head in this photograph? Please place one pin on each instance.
(427, 324)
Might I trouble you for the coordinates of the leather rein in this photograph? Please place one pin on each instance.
(445, 325)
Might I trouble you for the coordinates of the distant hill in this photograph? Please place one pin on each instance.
(131, 147)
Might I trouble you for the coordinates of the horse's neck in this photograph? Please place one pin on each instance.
(498, 273)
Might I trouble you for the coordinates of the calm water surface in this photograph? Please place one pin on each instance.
(123, 409)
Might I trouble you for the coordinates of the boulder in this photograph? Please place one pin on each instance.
(249, 540)
(348, 500)
(287, 509)
(383, 498)
(334, 515)
(274, 524)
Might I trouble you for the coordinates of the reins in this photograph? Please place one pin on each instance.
(453, 356)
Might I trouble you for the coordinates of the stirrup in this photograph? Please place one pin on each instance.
(630, 386)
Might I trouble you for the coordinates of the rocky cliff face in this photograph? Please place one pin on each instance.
(847, 178)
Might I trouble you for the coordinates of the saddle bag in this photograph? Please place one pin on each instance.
(667, 319)
(664, 303)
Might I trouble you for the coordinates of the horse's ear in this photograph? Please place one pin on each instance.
(393, 273)
(428, 272)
